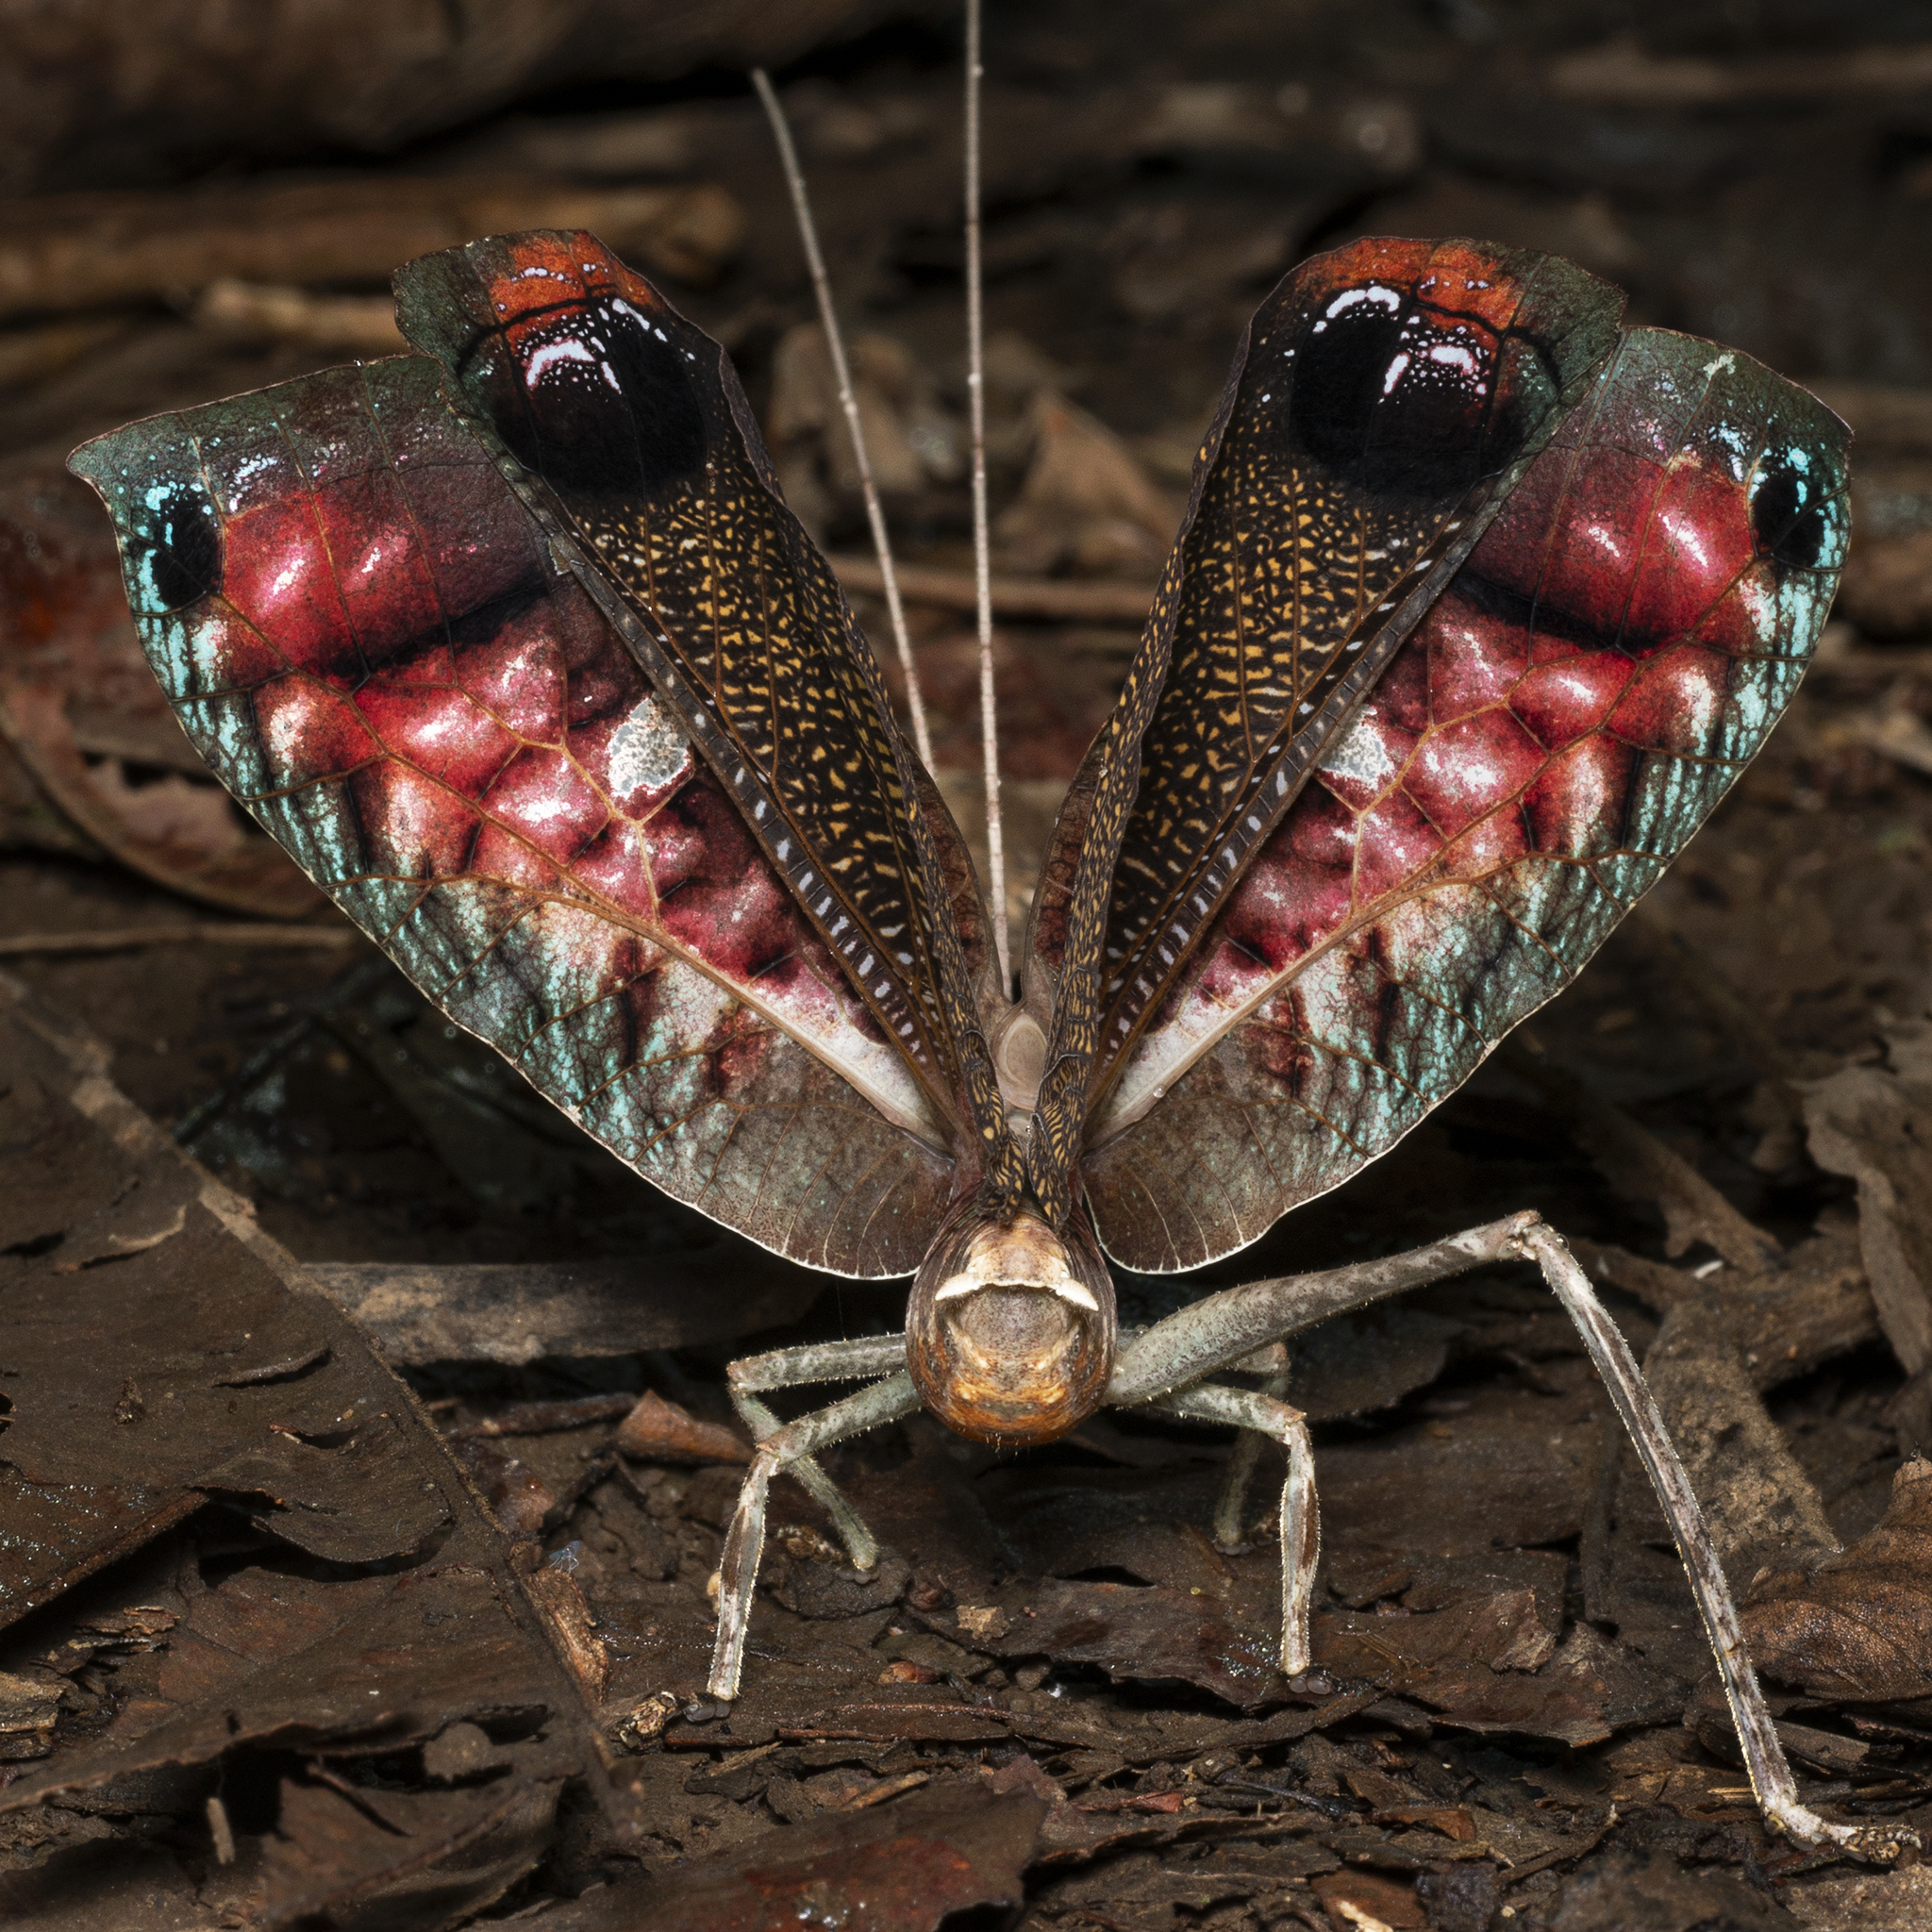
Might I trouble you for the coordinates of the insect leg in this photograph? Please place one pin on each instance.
(1764, 1759)
(1258, 1413)
(1218, 1331)
(1230, 1508)
(1224, 1330)
(744, 1542)
(822, 1362)
(861, 1545)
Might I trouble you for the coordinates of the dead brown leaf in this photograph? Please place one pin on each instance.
(182, 1357)
(897, 1867)
(1858, 1626)
(79, 708)
(1086, 503)
(1875, 1123)
(660, 1431)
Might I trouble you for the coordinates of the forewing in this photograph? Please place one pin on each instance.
(360, 627)
(1611, 657)
(1385, 400)
(623, 428)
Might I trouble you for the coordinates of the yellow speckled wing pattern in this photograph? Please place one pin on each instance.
(1384, 401)
(624, 429)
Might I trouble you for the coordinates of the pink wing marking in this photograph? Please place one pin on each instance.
(502, 802)
(1557, 726)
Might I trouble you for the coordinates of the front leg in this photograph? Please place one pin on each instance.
(1168, 1360)
(1257, 1412)
(862, 1359)
(744, 1542)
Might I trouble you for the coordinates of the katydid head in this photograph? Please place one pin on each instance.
(1010, 1329)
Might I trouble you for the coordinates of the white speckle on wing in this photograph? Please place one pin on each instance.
(647, 750)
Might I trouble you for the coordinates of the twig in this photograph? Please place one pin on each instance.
(1100, 602)
(982, 559)
(835, 342)
(89, 250)
(209, 932)
(542, 1418)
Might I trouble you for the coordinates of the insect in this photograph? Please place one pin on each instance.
(1480, 604)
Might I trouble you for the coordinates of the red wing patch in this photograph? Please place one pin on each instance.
(360, 627)
(1607, 660)
(625, 434)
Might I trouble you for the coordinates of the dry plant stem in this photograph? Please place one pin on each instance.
(211, 932)
(1068, 599)
(982, 556)
(835, 342)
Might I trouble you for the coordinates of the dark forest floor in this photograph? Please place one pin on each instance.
(1053, 1706)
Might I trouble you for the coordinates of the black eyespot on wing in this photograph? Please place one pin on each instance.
(601, 402)
(1392, 400)
(177, 554)
(1786, 519)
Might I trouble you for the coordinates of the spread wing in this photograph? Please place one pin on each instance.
(361, 629)
(1605, 662)
(622, 429)
(1384, 402)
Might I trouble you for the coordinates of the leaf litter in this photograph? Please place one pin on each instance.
(227, 1523)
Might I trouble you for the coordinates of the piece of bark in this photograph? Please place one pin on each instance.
(147, 88)
(1875, 1124)
(561, 1605)
(515, 1312)
(1758, 1505)
(908, 1865)
(88, 251)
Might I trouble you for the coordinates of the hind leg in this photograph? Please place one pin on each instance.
(1168, 1364)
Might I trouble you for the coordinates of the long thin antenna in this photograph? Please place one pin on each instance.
(834, 341)
(982, 556)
